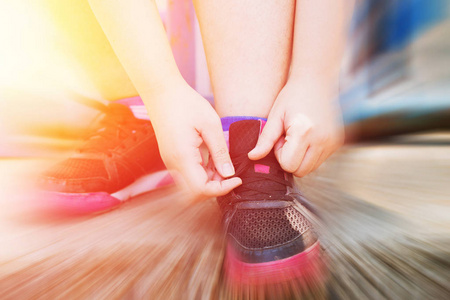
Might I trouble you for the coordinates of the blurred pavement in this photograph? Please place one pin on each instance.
(385, 210)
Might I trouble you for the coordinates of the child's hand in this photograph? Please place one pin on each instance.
(183, 121)
(304, 127)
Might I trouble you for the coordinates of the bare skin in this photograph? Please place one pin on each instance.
(248, 50)
(248, 46)
(304, 125)
(182, 119)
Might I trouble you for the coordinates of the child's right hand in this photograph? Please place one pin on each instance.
(183, 121)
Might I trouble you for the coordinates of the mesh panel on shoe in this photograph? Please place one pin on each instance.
(145, 153)
(126, 177)
(259, 228)
(77, 168)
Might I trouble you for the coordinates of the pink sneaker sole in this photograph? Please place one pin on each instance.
(86, 203)
(306, 266)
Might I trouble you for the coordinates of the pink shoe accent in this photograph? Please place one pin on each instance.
(87, 203)
(167, 180)
(307, 266)
(131, 101)
(226, 134)
(262, 169)
(262, 124)
(137, 106)
(78, 204)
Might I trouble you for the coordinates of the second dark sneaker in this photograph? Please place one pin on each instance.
(269, 240)
(119, 160)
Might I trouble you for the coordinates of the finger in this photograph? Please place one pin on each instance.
(215, 141)
(328, 152)
(278, 146)
(293, 150)
(269, 136)
(325, 155)
(309, 161)
(211, 171)
(198, 181)
(193, 173)
(220, 188)
(319, 161)
(178, 179)
(290, 159)
(200, 185)
(204, 152)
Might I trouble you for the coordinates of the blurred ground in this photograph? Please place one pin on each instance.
(385, 210)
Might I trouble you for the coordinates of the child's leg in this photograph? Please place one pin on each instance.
(248, 47)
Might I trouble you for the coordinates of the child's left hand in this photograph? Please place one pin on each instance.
(304, 127)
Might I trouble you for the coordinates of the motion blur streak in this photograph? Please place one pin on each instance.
(383, 204)
(385, 230)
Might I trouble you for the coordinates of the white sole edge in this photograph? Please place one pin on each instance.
(142, 185)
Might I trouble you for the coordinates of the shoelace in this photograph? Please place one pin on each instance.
(257, 184)
(116, 126)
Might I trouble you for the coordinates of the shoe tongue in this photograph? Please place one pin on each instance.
(243, 136)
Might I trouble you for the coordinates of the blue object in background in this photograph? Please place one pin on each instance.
(386, 71)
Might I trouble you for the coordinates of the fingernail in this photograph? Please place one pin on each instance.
(228, 170)
(254, 150)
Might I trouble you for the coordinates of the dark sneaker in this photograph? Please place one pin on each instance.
(119, 160)
(269, 240)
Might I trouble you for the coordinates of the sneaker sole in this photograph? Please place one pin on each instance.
(307, 266)
(85, 203)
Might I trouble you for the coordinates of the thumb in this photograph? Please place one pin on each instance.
(269, 136)
(215, 141)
